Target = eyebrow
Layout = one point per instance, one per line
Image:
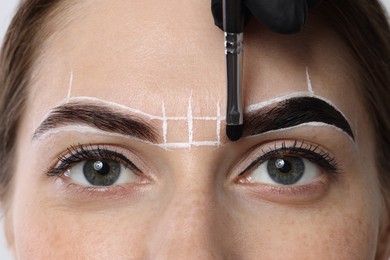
(294, 112)
(98, 116)
(285, 114)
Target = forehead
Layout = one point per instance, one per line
(144, 53)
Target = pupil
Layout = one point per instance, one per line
(101, 168)
(283, 166)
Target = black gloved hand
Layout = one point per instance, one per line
(281, 16)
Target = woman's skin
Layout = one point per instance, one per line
(191, 203)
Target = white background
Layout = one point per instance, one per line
(7, 8)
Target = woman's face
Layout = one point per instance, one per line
(122, 152)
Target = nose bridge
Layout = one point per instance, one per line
(186, 228)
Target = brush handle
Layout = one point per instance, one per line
(234, 66)
(233, 16)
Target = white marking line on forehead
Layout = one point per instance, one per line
(218, 123)
(70, 86)
(136, 111)
(116, 105)
(190, 118)
(275, 100)
(312, 124)
(165, 145)
(165, 124)
(84, 129)
(189, 145)
(308, 80)
(190, 121)
(91, 130)
(308, 93)
(88, 130)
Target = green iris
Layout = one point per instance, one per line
(286, 170)
(101, 172)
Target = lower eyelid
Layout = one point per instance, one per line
(101, 194)
(295, 194)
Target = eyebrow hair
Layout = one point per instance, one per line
(98, 116)
(293, 112)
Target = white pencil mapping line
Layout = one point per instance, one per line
(190, 121)
(84, 129)
(312, 124)
(218, 123)
(153, 117)
(309, 85)
(189, 118)
(205, 118)
(87, 131)
(136, 111)
(178, 118)
(164, 124)
(260, 105)
(249, 109)
(123, 107)
(189, 145)
(309, 93)
(275, 100)
(94, 131)
(70, 86)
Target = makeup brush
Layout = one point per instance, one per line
(233, 26)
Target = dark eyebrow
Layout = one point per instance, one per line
(294, 112)
(98, 116)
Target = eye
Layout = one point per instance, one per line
(288, 164)
(96, 166)
(284, 171)
(100, 172)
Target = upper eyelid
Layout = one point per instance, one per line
(302, 150)
(82, 152)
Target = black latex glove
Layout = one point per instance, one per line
(281, 16)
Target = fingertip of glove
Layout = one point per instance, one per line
(313, 3)
(216, 10)
(280, 16)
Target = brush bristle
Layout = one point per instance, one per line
(234, 132)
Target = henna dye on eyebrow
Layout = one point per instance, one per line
(293, 112)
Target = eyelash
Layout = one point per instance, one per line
(81, 153)
(311, 152)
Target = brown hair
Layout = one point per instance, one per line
(364, 27)
(18, 54)
(361, 24)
